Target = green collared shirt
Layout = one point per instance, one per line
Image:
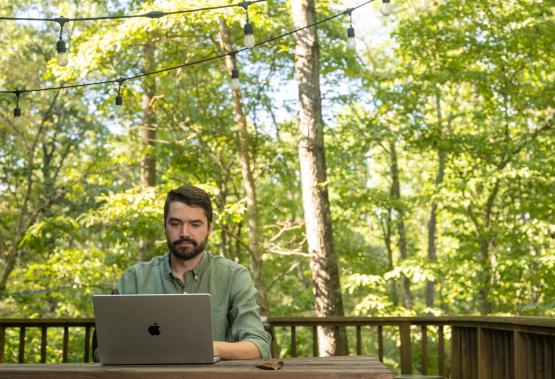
(235, 314)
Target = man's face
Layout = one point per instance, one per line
(187, 230)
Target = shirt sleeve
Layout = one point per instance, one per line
(244, 317)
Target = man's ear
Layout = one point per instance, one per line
(209, 228)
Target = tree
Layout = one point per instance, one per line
(480, 63)
(248, 180)
(325, 273)
(148, 136)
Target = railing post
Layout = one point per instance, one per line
(66, 344)
(484, 355)
(519, 355)
(21, 355)
(43, 331)
(87, 343)
(2, 342)
(293, 341)
(508, 352)
(380, 343)
(359, 341)
(315, 349)
(456, 353)
(441, 350)
(406, 354)
(424, 348)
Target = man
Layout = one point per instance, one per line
(188, 268)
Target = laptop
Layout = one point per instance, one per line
(154, 329)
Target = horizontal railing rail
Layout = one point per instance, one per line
(480, 347)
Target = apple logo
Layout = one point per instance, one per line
(154, 330)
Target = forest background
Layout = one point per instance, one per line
(438, 133)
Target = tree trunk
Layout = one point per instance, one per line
(148, 138)
(248, 180)
(394, 288)
(401, 230)
(484, 278)
(10, 258)
(486, 237)
(432, 224)
(432, 249)
(325, 273)
(148, 128)
(385, 223)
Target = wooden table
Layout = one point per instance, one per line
(358, 367)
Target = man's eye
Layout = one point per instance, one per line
(196, 224)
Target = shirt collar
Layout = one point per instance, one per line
(202, 265)
(198, 270)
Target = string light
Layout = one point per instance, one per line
(61, 45)
(351, 42)
(250, 42)
(386, 7)
(119, 99)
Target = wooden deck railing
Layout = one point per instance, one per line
(464, 347)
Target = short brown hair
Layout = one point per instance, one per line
(192, 196)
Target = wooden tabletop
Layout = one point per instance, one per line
(357, 367)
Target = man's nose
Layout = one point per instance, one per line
(185, 231)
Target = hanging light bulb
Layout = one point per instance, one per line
(235, 84)
(61, 48)
(386, 7)
(17, 116)
(119, 106)
(62, 53)
(17, 110)
(351, 42)
(249, 37)
(119, 99)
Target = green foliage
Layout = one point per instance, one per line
(470, 82)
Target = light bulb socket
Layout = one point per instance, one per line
(386, 1)
(351, 32)
(61, 46)
(17, 112)
(234, 74)
(247, 28)
(155, 14)
(119, 101)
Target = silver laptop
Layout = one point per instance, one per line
(154, 329)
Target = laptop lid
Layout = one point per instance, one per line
(154, 329)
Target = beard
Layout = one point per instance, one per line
(186, 253)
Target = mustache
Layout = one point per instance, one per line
(185, 239)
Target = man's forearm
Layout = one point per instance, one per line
(236, 350)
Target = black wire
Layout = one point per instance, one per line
(152, 14)
(232, 53)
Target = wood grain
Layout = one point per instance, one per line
(359, 367)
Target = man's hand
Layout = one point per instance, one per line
(236, 350)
